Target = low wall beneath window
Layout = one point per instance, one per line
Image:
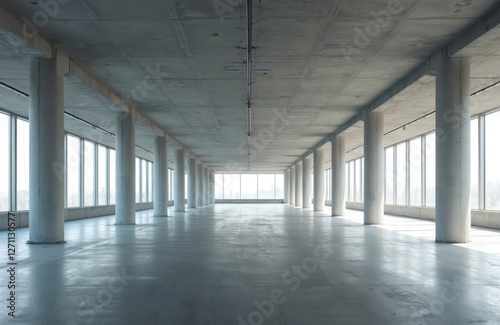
(249, 201)
(480, 218)
(74, 213)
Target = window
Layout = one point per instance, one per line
(150, 182)
(23, 165)
(89, 173)
(73, 171)
(112, 176)
(279, 193)
(266, 186)
(416, 172)
(474, 163)
(137, 180)
(358, 180)
(249, 186)
(389, 175)
(219, 186)
(171, 184)
(4, 162)
(144, 180)
(352, 182)
(430, 170)
(102, 175)
(401, 174)
(327, 184)
(231, 186)
(492, 160)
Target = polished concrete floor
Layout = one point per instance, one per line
(254, 264)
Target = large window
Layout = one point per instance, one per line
(73, 164)
(328, 182)
(232, 186)
(492, 136)
(89, 173)
(112, 176)
(171, 184)
(430, 170)
(279, 192)
(401, 176)
(249, 186)
(219, 186)
(359, 180)
(474, 163)
(137, 180)
(266, 186)
(144, 180)
(4, 162)
(102, 175)
(23, 165)
(416, 172)
(389, 175)
(150, 181)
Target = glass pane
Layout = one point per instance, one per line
(231, 186)
(23, 165)
(346, 193)
(249, 186)
(150, 182)
(416, 172)
(401, 174)
(219, 189)
(186, 185)
(102, 175)
(389, 175)
(4, 162)
(430, 170)
(137, 180)
(170, 184)
(89, 173)
(359, 180)
(474, 163)
(279, 187)
(144, 180)
(352, 182)
(112, 176)
(492, 129)
(362, 180)
(73, 171)
(266, 186)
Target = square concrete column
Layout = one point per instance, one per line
(199, 185)
(160, 184)
(46, 128)
(338, 176)
(306, 182)
(453, 214)
(374, 168)
(191, 199)
(286, 186)
(179, 182)
(319, 180)
(211, 183)
(205, 186)
(292, 186)
(125, 169)
(298, 185)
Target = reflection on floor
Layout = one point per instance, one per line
(254, 264)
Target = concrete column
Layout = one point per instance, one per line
(292, 186)
(125, 169)
(306, 182)
(319, 180)
(374, 168)
(338, 176)
(160, 183)
(46, 114)
(179, 186)
(199, 185)
(211, 183)
(453, 216)
(191, 199)
(287, 186)
(298, 185)
(205, 186)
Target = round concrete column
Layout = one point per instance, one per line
(306, 182)
(298, 185)
(286, 187)
(179, 182)
(125, 169)
(338, 176)
(199, 185)
(453, 214)
(205, 186)
(292, 186)
(191, 199)
(374, 168)
(211, 183)
(319, 180)
(46, 127)
(160, 182)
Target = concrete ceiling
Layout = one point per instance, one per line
(320, 69)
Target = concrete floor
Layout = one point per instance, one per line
(216, 264)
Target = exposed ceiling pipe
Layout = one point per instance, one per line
(249, 68)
